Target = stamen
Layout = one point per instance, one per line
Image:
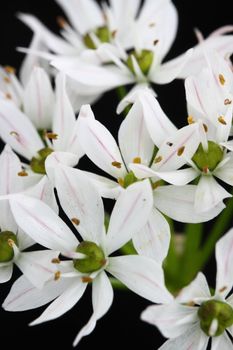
(223, 289)
(114, 33)
(10, 242)
(87, 279)
(227, 102)
(180, 151)
(156, 184)
(170, 144)
(7, 80)
(57, 275)
(116, 164)
(205, 169)
(205, 127)
(221, 79)
(121, 182)
(75, 221)
(23, 173)
(213, 327)
(14, 133)
(222, 120)
(51, 135)
(10, 69)
(61, 22)
(8, 96)
(152, 24)
(158, 159)
(55, 261)
(155, 42)
(190, 120)
(137, 160)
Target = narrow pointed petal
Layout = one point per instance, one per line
(154, 238)
(171, 319)
(158, 124)
(209, 194)
(142, 171)
(196, 291)
(42, 224)
(142, 275)
(38, 99)
(225, 173)
(100, 146)
(6, 273)
(131, 212)
(81, 201)
(223, 342)
(37, 266)
(183, 211)
(224, 259)
(18, 131)
(134, 139)
(63, 303)
(25, 296)
(102, 298)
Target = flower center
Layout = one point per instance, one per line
(6, 249)
(144, 58)
(38, 163)
(102, 33)
(215, 316)
(94, 260)
(208, 159)
(128, 180)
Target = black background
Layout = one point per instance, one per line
(121, 326)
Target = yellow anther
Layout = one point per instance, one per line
(205, 169)
(180, 151)
(156, 184)
(57, 275)
(61, 22)
(222, 120)
(55, 261)
(223, 289)
(8, 96)
(137, 160)
(227, 101)
(158, 159)
(51, 135)
(116, 164)
(121, 182)
(7, 80)
(114, 33)
(190, 120)
(221, 79)
(205, 127)
(10, 69)
(14, 133)
(23, 173)
(75, 221)
(10, 242)
(87, 279)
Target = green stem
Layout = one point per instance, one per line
(117, 284)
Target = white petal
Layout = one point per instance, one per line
(171, 319)
(17, 130)
(37, 266)
(80, 199)
(7, 222)
(59, 158)
(25, 296)
(158, 124)
(222, 342)
(130, 214)
(183, 211)
(42, 224)
(225, 172)
(134, 139)
(100, 146)
(209, 194)
(38, 99)
(186, 141)
(154, 238)
(224, 258)
(143, 172)
(102, 297)
(228, 145)
(6, 273)
(196, 291)
(63, 303)
(85, 15)
(142, 275)
(193, 339)
(169, 71)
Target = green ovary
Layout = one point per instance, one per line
(144, 58)
(38, 163)
(215, 310)
(6, 250)
(102, 33)
(210, 158)
(94, 259)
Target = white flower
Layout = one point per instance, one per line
(13, 240)
(46, 124)
(140, 274)
(195, 316)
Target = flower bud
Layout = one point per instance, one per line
(94, 259)
(102, 33)
(144, 59)
(215, 316)
(208, 159)
(6, 249)
(38, 163)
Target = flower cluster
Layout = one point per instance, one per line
(154, 173)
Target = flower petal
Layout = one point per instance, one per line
(197, 291)
(225, 173)
(102, 297)
(130, 214)
(142, 275)
(209, 194)
(17, 130)
(6, 273)
(63, 303)
(154, 238)
(183, 211)
(81, 201)
(222, 342)
(42, 224)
